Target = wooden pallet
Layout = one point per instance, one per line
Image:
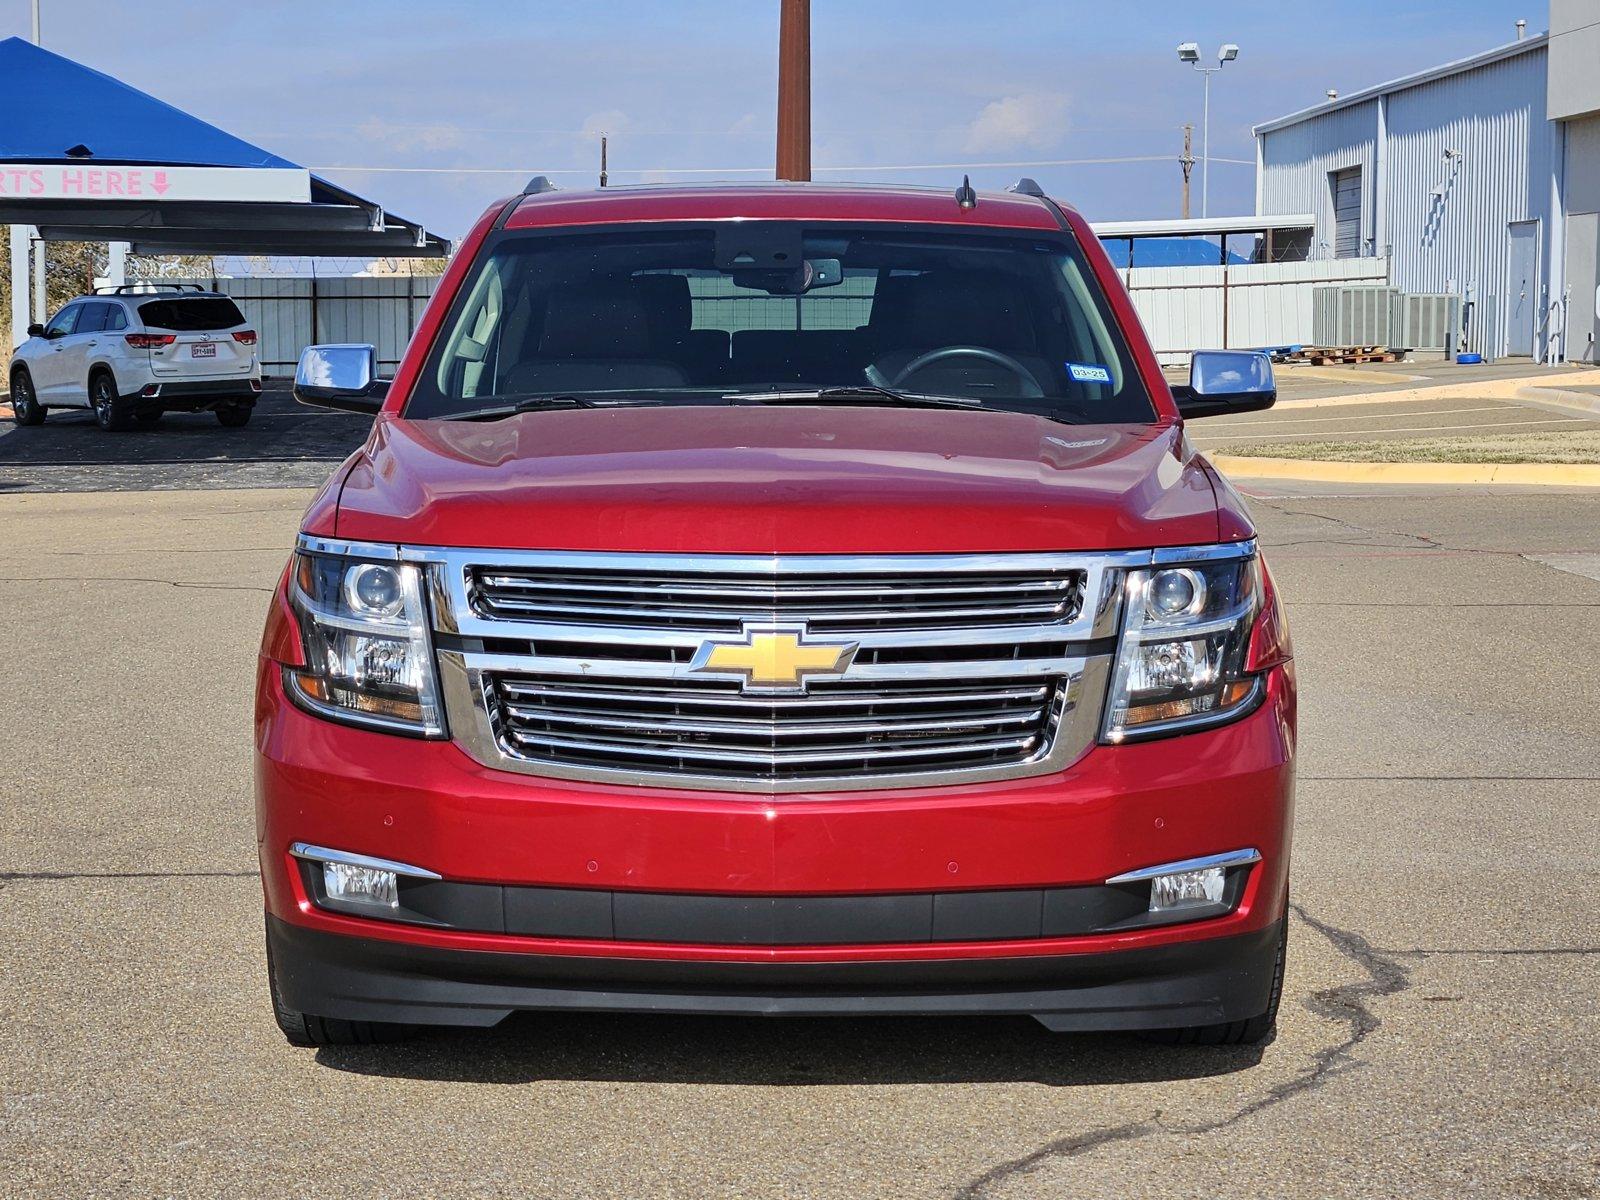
(1321, 356)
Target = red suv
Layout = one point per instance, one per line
(778, 599)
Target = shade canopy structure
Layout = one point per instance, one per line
(86, 157)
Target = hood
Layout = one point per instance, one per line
(777, 480)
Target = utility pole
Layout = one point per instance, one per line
(794, 90)
(603, 160)
(1187, 163)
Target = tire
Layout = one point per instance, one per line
(235, 416)
(111, 411)
(1253, 1031)
(25, 406)
(303, 1029)
(148, 418)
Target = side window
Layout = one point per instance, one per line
(116, 318)
(92, 319)
(64, 322)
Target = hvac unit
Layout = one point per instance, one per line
(1353, 316)
(1427, 322)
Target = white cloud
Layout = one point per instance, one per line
(438, 135)
(611, 121)
(1036, 119)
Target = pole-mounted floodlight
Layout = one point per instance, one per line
(1189, 52)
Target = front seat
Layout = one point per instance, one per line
(955, 308)
(596, 337)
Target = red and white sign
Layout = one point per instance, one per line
(92, 181)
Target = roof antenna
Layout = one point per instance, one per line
(1026, 187)
(538, 185)
(965, 196)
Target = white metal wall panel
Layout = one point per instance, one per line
(1267, 304)
(1296, 163)
(291, 314)
(1448, 219)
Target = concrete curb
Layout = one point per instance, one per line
(1479, 389)
(1584, 475)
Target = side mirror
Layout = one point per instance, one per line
(343, 377)
(1226, 381)
(36, 330)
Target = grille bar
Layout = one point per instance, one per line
(838, 603)
(707, 727)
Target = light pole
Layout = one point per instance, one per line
(1189, 52)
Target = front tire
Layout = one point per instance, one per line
(235, 416)
(304, 1029)
(111, 411)
(25, 406)
(1253, 1031)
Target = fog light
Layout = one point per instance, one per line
(361, 885)
(1187, 889)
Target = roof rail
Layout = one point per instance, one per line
(147, 285)
(537, 185)
(1027, 187)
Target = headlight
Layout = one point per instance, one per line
(1185, 635)
(367, 645)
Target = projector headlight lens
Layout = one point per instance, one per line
(368, 651)
(1185, 636)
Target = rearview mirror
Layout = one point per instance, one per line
(343, 377)
(1226, 381)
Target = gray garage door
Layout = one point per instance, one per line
(1346, 187)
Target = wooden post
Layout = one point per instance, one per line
(794, 90)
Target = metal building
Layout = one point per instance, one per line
(1479, 178)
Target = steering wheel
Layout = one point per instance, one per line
(1030, 386)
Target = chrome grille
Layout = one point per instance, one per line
(708, 728)
(720, 602)
(961, 668)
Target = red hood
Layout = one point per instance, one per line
(765, 480)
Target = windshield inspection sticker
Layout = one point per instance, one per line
(1089, 373)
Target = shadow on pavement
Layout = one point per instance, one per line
(529, 1047)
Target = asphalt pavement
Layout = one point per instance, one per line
(1440, 1033)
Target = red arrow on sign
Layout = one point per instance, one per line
(159, 184)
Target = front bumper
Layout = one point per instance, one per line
(1189, 983)
(988, 851)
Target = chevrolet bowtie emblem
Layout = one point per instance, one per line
(773, 658)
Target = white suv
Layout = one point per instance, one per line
(134, 352)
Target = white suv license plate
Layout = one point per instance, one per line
(203, 350)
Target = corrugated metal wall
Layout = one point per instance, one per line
(1442, 222)
(1185, 309)
(291, 314)
(1297, 160)
(1494, 118)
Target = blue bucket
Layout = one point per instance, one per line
(1467, 360)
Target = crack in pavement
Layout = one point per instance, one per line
(205, 587)
(1347, 1003)
(37, 876)
(1506, 952)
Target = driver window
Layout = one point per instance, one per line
(64, 322)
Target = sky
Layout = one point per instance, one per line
(472, 98)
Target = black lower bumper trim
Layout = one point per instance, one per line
(1189, 983)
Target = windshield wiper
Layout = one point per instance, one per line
(526, 404)
(845, 393)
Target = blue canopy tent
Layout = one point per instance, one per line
(85, 157)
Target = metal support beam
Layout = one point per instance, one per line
(20, 288)
(794, 90)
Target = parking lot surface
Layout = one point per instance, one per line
(1440, 1033)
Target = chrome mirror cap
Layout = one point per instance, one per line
(340, 376)
(1227, 381)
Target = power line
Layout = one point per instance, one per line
(858, 169)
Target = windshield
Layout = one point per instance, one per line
(716, 314)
